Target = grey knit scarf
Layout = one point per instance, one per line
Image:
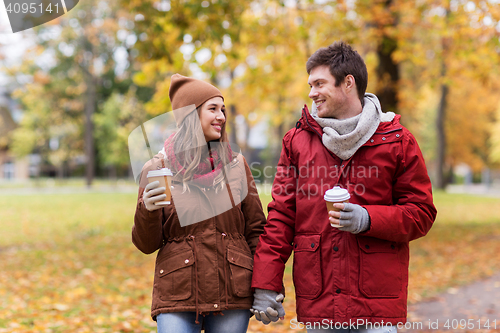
(343, 137)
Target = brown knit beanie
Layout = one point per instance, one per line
(185, 91)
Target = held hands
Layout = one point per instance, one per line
(153, 193)
(352, 218)
(267, 306)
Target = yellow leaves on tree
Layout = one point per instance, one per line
(472, 107)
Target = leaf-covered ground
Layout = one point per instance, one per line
(68, 265)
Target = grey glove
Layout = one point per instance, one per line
(153, 193)
(354, 218)
(267, 306)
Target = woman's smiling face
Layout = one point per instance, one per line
(213, 118)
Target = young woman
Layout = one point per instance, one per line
(207, 235)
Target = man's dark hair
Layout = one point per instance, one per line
(342, 61)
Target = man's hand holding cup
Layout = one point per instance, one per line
(344, 215)
(349, 217)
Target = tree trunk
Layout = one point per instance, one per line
(232, 123)
(387, 68)
(232, 116)
(441, 135)
(89, 130)
(130, 174)
(441, 179)
(388, 75)
(245, 149)
(113, 175)
(60, 171)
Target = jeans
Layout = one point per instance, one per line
(233, 321)
(360, 329)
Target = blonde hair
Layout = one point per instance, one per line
(189, 141)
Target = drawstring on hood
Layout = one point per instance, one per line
(344, 137)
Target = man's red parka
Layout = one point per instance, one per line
(340, 276)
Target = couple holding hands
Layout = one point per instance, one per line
(220, 260)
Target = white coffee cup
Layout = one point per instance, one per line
(336, 195)
(164, 176)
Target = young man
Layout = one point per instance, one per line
(350, 268)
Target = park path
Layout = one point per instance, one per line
(476, 304)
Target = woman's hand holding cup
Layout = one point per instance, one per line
(153, 193)
(157, 192)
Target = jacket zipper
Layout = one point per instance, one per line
(307, 121)
(394, 130)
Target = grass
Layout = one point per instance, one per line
(68, 264)
(42, 183)
(461, 247)
(40, 218)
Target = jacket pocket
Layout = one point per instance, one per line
(174, 275)
(307, 266)
(380, 270)
(241, 267)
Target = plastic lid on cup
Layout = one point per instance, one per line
(160, 173)
(337, 194)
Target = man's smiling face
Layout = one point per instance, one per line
(331, 101)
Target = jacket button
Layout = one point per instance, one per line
(216, 306)
(186, 261)
(383, 138)
(367, 246)
(295, 245)
(397, 135)
(161, 272)
(338, 291)
(335, 248)
(312, 244)
(372, 140)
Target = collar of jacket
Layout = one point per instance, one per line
(307, 122)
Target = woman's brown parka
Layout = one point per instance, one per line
(205, 266)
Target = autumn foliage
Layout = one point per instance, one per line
(434, 61)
